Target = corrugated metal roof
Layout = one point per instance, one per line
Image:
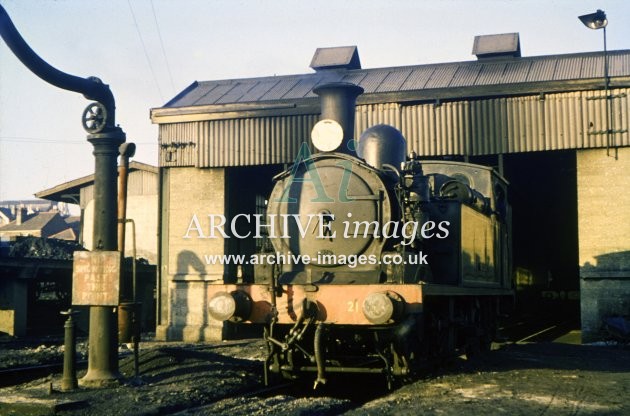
(526, 123)
(467, 108)
(418, 78)
(573, 67)
(515, 72)
(393, 81)
(465, 76)
(441, 76)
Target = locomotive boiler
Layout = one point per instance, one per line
(382, 262)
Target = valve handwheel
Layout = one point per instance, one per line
(94, 117)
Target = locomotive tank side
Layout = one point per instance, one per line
(473, 199)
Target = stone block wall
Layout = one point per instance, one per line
(185, 273)
(604, 236)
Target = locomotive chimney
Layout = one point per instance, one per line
(337, 100)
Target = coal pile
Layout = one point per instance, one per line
(43, 248)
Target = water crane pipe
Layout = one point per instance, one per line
(99, 121)
(92, 88)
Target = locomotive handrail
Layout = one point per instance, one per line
(92, 88)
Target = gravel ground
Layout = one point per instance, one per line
(182, 379)
(15, 352)
(546, 378)
(173, 377)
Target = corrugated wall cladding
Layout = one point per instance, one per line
(370, 115)
(142, 183)
(516, 124)
(572, 120)
(234, 142)
(178, 143)
(437, 129)
(252, 141)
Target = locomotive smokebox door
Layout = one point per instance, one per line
(331, 207)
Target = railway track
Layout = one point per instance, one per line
(206, 408)
(523, 330)
(238, 396)
(295, 398)
(21, 374)
(18, 375)
(535, 329)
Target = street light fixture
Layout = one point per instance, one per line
(596, 21)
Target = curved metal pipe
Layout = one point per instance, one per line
(319, 359)
(92, 88)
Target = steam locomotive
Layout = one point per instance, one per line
(383, 263)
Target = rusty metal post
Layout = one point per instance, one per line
(69, 378)
(126, 150)
(130, 313)
(137, 307)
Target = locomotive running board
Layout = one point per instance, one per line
(430, 289)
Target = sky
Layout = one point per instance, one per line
(149, 50)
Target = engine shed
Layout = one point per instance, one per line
(553, 126)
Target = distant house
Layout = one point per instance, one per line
(40, 224)
(31, 205)
(37, 272)
(6, 216)
(73, 231)
(9, 209)
(142, 207)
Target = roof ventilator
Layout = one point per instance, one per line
(506, 45)
(340, 57)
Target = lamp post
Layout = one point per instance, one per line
(597, 21)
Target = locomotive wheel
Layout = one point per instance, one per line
(484, 329)
(488, 336)
(478, 345)
(485, 343)
(442, 343)
(473, 348)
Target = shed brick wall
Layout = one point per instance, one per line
(604, 236)
(184, 272)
